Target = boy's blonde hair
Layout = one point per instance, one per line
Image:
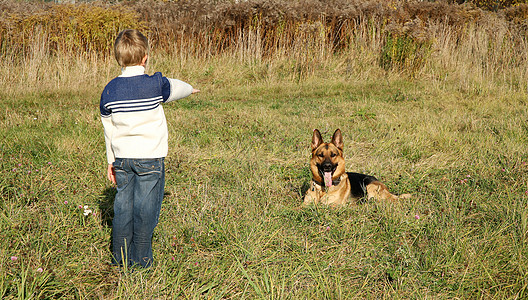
(130, 47)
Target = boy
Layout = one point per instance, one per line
(136, 133)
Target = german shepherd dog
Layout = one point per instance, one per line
(331, 185)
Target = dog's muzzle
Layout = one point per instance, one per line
(326, 171)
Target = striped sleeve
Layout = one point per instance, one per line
(105, 112)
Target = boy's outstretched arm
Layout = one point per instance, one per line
(110, 174)
(194, 91)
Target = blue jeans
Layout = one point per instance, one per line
(137, 205)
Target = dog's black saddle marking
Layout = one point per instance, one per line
(358, 184)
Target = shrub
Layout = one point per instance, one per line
(84, 28)
(496, 4)
(403, 53)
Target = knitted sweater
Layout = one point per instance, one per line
(133, 119)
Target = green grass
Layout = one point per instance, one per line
(231, 224)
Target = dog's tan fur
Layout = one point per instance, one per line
(339, 194)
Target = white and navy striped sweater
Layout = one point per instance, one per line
(133, 119)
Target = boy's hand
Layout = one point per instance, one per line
(195, 91)
(111, 174)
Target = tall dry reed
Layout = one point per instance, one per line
(433, 39)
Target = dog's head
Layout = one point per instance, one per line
(327, 163)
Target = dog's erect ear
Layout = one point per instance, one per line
(316, 139)
(337, 139)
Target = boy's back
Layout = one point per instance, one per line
(136, 145)
(131, 111)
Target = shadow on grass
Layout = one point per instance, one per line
(304, 188)
(106, 206)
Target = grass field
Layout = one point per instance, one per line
(231, 224)
(444, 120)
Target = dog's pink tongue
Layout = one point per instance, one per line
(328, 178)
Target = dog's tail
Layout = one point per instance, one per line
(379, 190)
(403, 196)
